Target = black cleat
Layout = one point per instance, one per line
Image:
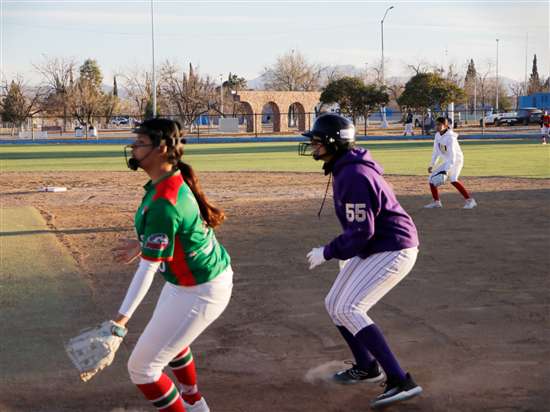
(396, 392)
(357, 375)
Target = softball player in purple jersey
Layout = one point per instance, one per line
(379, 245)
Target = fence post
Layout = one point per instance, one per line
(256, 124)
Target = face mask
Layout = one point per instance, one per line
(131, 161)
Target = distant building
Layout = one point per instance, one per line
(538, 100)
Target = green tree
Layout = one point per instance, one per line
(87, 99)
(149, 109)
(115, 87)
(90, 72)
(534, 84)
(354, 97)
(429, 91)
(234, 82)
(19, 102)
(470, 84)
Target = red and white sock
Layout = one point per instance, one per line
(460, 187)
(183, 367)
(435, 193)
(163, 394)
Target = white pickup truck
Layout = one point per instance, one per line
(498, 118)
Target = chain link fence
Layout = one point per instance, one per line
(392, 123)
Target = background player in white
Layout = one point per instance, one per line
(447, 158)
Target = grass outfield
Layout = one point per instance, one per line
(482, 158)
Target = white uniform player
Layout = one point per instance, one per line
(447, 151)
(447, 159)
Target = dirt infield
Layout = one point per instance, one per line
(471, 322)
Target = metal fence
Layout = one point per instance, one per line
(240, 124)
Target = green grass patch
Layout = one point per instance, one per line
(520, 158)
(41, 291)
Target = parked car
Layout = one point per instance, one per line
(489, 118)
(497, 119)
(508, 118)
(120, 120)
(528, 115)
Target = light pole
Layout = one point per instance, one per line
(221, 93)
(382, 30)
(383, 109)
(496, 100)
(153, 53)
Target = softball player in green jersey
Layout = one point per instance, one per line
(174, 224)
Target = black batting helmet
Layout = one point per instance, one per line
(334, 131)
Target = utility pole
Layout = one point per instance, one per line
(382, 38)
(496, 100)
(383, 108)
(221, 93)
(153, 52)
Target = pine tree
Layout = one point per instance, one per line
(115, 87)
(471, 72)
(534, 85)
(469, 83)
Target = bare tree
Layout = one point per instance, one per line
(484, 83)
(395, 90)
(188, 94)
(292, 72)
(18, 101)
(420, 67)
(57, 73)
(518, 89)
(139, 86)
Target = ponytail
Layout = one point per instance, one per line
(210, 213)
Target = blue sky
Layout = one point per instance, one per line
(245, 36)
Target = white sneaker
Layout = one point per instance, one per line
(199, 406)
(470, 203)
(436, 204)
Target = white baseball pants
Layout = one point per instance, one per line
(453, 173)
(362, 283)
(181, 315)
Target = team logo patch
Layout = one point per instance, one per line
(157, 241)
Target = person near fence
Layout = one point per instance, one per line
(409, 124)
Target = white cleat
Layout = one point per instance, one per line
(199, 406)
(470, 203)
(436, 204)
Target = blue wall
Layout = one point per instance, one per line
(538, 100)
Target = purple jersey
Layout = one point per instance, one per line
(371, 217)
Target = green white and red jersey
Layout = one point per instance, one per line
(171, 230)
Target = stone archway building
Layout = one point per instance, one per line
(253, 102)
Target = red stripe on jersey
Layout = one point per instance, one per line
(179, 267)
(157, 259)
(169, 188)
